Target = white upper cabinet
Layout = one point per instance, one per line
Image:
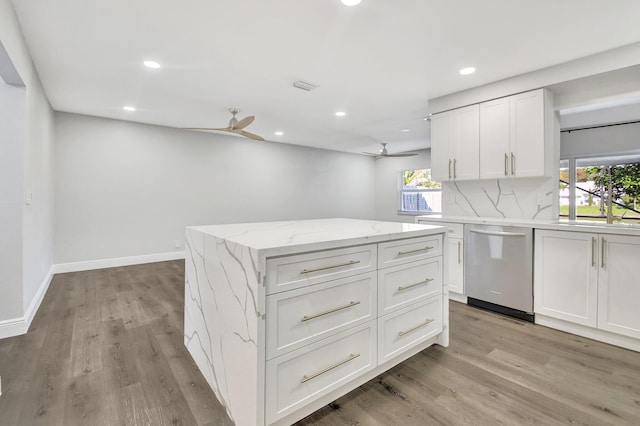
(455, 137)
(503, 138)
(527, 140)
(441, 140)
(466, 136)
(494, 139)
(512, 136)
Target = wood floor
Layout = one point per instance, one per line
(106, 349)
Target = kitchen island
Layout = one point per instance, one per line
(284, 317)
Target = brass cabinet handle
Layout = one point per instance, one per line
(308, 271)
(427, 322)
(402, 253)
(602, 264)
(513, 164)
(449, 168)
(506, 162)
(593, 251)
(401, 288)
(306, 378)
(454, 168)
(330, 311)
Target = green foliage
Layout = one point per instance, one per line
(625, 181)
(419, 179)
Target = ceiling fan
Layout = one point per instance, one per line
(235, 126)
(383, 153)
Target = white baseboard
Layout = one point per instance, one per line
(591, 333)
(457, 297)
(17, 326)
(20, 325)
(89, 265)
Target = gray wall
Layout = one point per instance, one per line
(387, 183)
(36, 170)
(12, 104)
(126, 189)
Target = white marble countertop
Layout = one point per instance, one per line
(277, 238)
(578, 226)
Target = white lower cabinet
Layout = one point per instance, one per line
(455, 260)
(317, 369)
(619, 285)
(407, 327)
(588, 279)
(565, 276)
(334, 316)
(456, 266)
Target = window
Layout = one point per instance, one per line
(418, 193)
(604, 189)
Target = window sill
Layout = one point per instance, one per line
(405, 213)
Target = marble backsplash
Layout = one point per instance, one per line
(534, 199)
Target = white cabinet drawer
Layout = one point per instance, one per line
(289, 272)
(456, 230)
(301, 376)
(407, 327)
(299, 317)
(409, 250)
(402, 285)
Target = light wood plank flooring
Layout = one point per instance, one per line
(106, 349)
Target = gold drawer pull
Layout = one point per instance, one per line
(402, 253)
(306, 378)
(427, 322)
(428, 280)
(330, 311)
(308, 271)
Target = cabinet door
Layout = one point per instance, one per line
(456, 270)
(619, 285)
(466, 146)
(565, 276)
(494, 139)
(526, 156)
(441, 140)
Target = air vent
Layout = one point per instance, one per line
(304, 85)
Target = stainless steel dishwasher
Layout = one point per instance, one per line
(498, 270)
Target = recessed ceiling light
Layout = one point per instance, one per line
(151, 64)
(467, 70)
(341, 114)
(405, 130)
(129, 108)
(279, 133)
(351, 2)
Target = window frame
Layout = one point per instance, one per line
(402, 190)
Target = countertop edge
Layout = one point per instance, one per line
(632, 230)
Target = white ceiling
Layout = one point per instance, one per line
(379, 61)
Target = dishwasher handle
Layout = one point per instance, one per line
(499, 233)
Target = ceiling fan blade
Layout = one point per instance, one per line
(226, 129)
(249, 135)
(372, 154)
(244, 122)
(405, 154)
